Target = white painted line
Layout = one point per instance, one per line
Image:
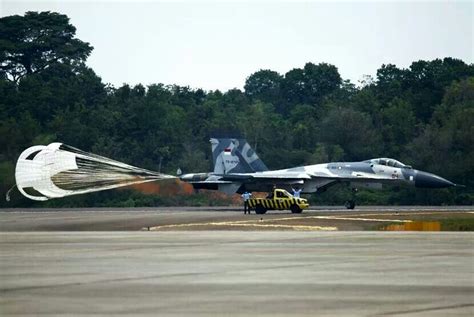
(241, 224)
(362, 219)
(341, 218)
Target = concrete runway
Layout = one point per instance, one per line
(216, 271)
(236, 273)
(218, 218)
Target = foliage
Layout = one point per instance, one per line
(34, 42)
(455, 224)
(422, 115)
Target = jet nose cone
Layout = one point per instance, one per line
(428, 180)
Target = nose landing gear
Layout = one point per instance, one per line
(350, 204)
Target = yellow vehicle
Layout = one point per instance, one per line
(279, 199)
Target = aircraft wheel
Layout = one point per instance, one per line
(295, 209)
(350, 204)
(260, 210)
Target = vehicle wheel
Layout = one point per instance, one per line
(260, 210)
(350, 204)
(295, 209)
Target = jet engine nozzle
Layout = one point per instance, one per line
(197, 177)
(428, 180)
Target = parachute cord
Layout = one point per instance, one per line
(70, 171)
(7, 196)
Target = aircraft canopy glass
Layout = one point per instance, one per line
(388, 162)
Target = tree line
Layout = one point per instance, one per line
(422, 115)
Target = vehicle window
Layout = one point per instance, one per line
(280, 195)
(382, 162)
(391, 163)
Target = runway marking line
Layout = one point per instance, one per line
(245, 224)
(260, 223)
(252, 223)
(360, 219)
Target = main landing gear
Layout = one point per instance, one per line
(351, 203)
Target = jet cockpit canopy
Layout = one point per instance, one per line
(388, 162)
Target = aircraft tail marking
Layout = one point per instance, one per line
(235, 156)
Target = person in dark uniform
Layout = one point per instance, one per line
(246, 196)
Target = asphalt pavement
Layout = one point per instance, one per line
(237, 273)
(217, 261)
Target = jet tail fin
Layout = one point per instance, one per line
(232, 155)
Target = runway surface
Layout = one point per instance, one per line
(237, 273)
(220, 218)
(215, 261)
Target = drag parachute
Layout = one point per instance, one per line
(58, 170)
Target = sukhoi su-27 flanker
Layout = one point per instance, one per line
(237, 168)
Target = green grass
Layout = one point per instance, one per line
(457, 224)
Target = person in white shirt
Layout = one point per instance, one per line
(246, 196)
(296, 192)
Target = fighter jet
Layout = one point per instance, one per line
(237, 168)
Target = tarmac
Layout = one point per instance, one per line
(134, 262)
(220, 218)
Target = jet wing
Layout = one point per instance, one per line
(356, 177)
(289, 176)
(266, 176)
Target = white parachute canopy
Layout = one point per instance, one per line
(58, 170)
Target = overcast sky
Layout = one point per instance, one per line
(217, 45)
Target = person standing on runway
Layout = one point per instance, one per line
(296, 192)
(246, 196)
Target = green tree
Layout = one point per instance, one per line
(446, 144)
(398, 127)
(310, 84)
(35, 41)
(352, 131)
(390, 83)
(264, 85)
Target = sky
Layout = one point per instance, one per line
(218, 44)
